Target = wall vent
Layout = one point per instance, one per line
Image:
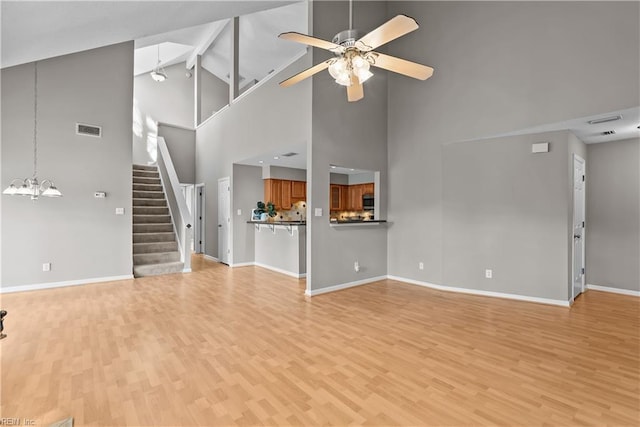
(291, 154)
(89, 130)
(608, 132)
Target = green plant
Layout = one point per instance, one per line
(269, 208)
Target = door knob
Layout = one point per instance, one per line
(219, 225)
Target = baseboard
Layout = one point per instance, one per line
(186, 270)
(614, 290)
(342, 286)
(243, 264)
(279, 270)
(481, 293)
(40, 286)
(210, 258)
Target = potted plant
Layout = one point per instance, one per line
(262, 211)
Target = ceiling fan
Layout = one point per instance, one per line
(355, 56)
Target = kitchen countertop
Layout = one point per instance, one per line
(278, 222)
(359, 222)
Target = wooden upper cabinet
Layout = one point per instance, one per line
(285, 201)
(355, 196)
(335, 197)
(284, 193)
(344, 198)
(298, 191)
(368, 188)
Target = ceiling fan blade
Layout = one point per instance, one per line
(306, 73)
(355, 92)
(396, 27)
(401, 66)
(312, 41)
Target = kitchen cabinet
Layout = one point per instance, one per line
(298, 191)
(368, 188)
(284, 193)
(355, 197)
(335, 197)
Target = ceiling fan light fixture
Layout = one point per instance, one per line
(344, 79)
(158, 74)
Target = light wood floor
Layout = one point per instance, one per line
(245, 347)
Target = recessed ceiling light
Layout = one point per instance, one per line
(260, 161)
(275, 157)
(333, 167)
(351, 169)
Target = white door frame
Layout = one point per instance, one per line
(577, 159)
(199, 219)
(221, 257)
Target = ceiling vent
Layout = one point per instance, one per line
(89, 130)
(608, 132)
(290, 154)
(604, 120)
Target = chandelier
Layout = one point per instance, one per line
(31, 186)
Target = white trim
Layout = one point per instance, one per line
(613, 290)
(242, 264)
(186, 270)
(210, 258)
(342, 286)
(40, 286)
(279, 270)
(481, 293)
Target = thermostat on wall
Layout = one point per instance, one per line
(540, 147)
(99, 194)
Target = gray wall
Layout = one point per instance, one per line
(247, 189)
(169, 102)
(613, 214)
(182, 149)
(214, 94)
(362, 178)
(498, 67)
(507, 209)
(350, 134)
(278, 172)
(79, 235)
(338, 178)
(269, 118)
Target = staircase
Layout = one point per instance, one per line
(155, 249)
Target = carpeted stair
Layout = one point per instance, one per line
(155, 249)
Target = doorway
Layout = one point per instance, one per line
(578, 267)
(224, 219)
(199, 219)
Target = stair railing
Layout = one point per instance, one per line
(177, 203)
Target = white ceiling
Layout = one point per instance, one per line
(299, 161)
(34, 30)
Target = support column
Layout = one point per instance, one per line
(197, 90)
(234, 83)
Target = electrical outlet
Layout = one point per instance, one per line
(46, 266)
(421, 266)
(488, 273)
(318, 211)
(119, 211)
(356, 266)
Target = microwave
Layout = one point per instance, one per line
(368, 202)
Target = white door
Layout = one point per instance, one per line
(199, 219)
(224, 219)
(578, 269)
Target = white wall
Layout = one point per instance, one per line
(79, 235)
(613, 214)
(499, 66)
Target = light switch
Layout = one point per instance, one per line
(318, 211)
(239, 212)
(119, 211)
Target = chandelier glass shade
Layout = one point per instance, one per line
(351, 63)
(31, 186)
